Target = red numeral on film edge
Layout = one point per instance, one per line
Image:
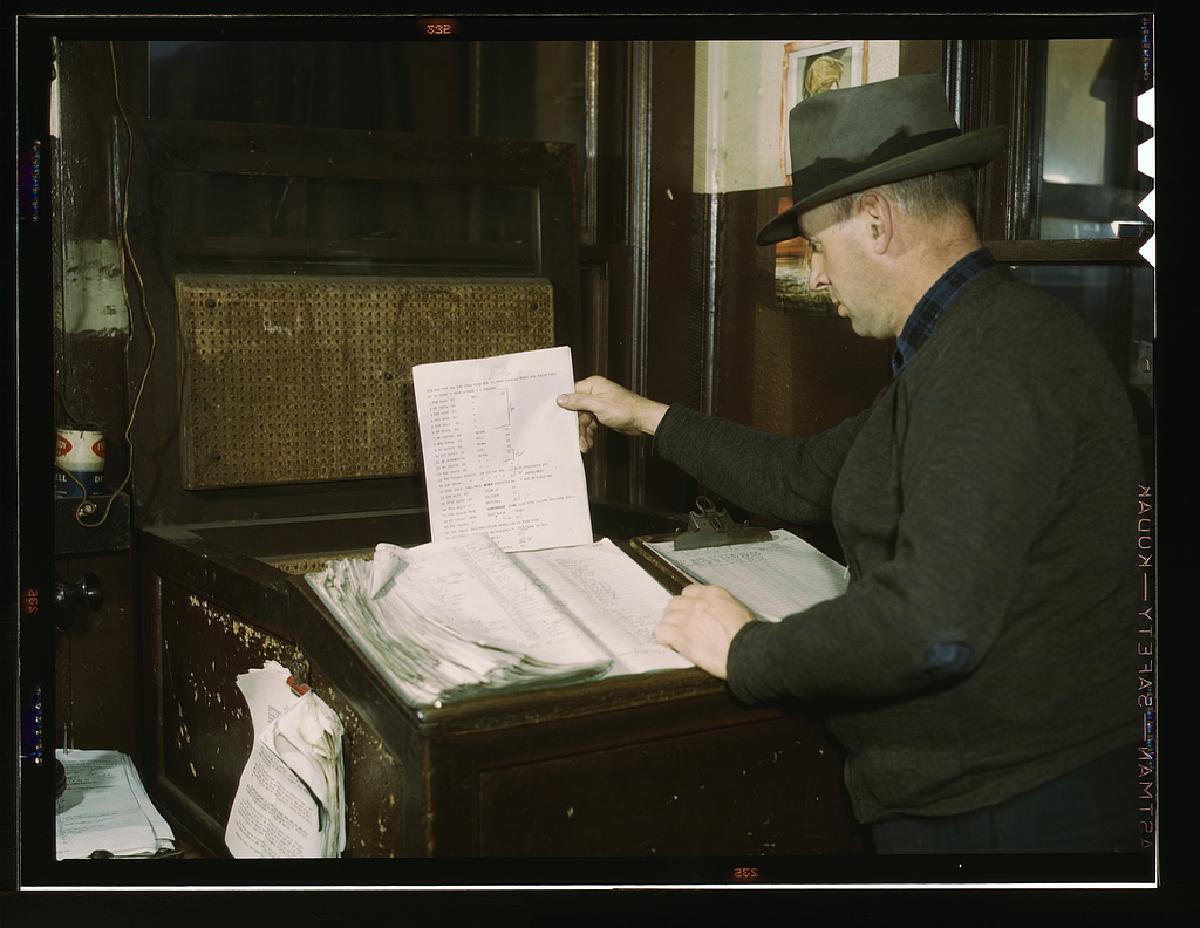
(29, 600)
(435, 27)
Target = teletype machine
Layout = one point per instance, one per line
(277, 429)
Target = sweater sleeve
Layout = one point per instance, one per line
(982, 453)
(791, 479)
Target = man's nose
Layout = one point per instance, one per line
(816, 272)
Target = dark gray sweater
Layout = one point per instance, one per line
(987, 506)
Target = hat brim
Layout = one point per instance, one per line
(977, 147)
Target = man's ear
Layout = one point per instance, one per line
(875, 214)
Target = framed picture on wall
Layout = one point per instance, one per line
(810, 68)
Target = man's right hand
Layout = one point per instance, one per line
(598, 399)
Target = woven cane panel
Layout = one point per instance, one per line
(289, 379)
(311, 563)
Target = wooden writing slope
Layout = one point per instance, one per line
(662, 764)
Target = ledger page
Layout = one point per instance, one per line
(501, 456)
(476, 590)
(612, 599)
(273, 814)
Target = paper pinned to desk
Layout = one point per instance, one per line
(105, 810)
(291, 796)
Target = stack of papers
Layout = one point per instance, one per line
(774, 579)
(291, 799)
(451, 618)
(104, 811)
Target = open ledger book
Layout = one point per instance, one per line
(450, 618)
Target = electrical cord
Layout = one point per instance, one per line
(126, 254)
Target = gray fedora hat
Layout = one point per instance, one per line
(843, 141)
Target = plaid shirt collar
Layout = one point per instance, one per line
(930, 307)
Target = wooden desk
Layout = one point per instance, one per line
(656, 764)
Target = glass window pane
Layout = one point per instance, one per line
(263, 216)
(1088, 187)
(518, 90)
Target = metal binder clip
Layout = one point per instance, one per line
(710, 527)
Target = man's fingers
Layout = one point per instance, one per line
(703, 591)
(700, 623)
(580, 402)
(587, 432)
(614, 406)
(585, 396)
(592, 383)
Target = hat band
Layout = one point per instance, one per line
(824, 172)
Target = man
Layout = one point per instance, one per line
(979, 670)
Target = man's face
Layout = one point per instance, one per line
(842, 262)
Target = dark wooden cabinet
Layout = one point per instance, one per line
(663, 764)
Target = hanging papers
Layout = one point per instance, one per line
(291, 797)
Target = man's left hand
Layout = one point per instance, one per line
(700, 624)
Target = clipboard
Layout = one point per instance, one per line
(708, 527)
(774, 574)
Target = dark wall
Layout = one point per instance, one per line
(718, 339)
(97, 653)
